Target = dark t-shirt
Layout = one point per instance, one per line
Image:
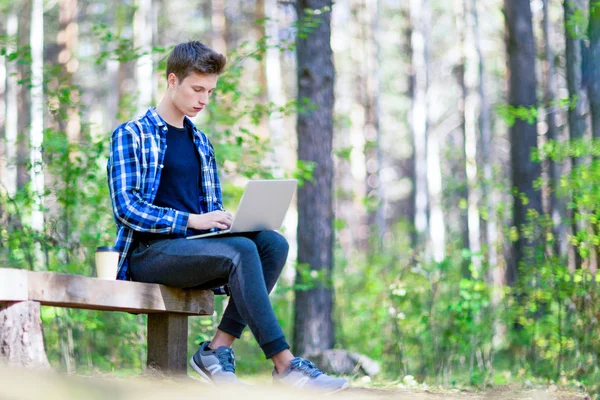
(180, 178)
(180, 185)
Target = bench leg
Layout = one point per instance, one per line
(167, 342)
(21, 339)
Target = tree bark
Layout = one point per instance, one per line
(366, 88)
(419, 119)
(9, 177)
(459, 175)
(24, 96)
(21, 338)
(576, 113)
(594, 59)
(3, 100)
(274, 85)
(523, 135)
(484, 122)
(219, 26)
(36, 40)
(410, 209)
(550, 167)
(316, 75)
(142, 27)
(376, 216)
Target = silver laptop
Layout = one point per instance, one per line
(263, 206)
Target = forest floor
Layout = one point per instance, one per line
(33, 385)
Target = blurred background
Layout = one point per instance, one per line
(447, 223)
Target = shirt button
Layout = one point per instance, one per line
(161, 166)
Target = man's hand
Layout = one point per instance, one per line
(214, 219)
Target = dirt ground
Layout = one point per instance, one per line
(19, 384)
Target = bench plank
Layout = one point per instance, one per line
(13, 285)
(74, 291)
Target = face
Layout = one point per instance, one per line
(192, 94)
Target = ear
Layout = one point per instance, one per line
(172, 80)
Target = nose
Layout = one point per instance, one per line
(203, 99)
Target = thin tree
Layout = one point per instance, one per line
(549, 167)
(410, 206)
(485, 131)
(523, 134)
(366, 14)
(418, 118)
(313, 329)
(576, 114)
(593, 81)
(219, 26)
(143, 22)
(24, 94)
(461, 169)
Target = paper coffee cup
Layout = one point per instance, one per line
(107, 262)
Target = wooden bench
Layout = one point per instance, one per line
(22, 292)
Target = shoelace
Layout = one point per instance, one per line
(226, 359)
(306, 367)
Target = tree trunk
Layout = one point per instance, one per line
(9, 176)
(594, 97)
(36, 41)
(274, 84)
(21, 338)
(142, 26)
(316, 75)
(24, 96)
(219, 26)
(66, 120)
(488, 192)
(459, 174)
(550, 167)
(594, 59)
(3, 93)
(419, 117)
(376, 217)
(367, 94)
(472, 149)
(67, 47)
(410, 209)
(345, 185)
(576, 114)
(523, 135)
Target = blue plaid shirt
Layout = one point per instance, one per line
(137, 153)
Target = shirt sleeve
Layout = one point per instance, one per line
(216, 181)
(125, 183)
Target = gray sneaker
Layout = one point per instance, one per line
(303, 374)
(216, 366)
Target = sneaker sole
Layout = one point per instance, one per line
(197, 368)
(344, 387)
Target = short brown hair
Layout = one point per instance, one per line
(194, 56)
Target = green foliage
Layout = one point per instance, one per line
(432, 321)
(577, 22)
(419, 317)
(511, 113)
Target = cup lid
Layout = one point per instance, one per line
(106, 248)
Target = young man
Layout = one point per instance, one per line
(164, 186)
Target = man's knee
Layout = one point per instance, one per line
(276, 241)
(244, 247)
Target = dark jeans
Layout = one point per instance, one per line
(250, 262)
